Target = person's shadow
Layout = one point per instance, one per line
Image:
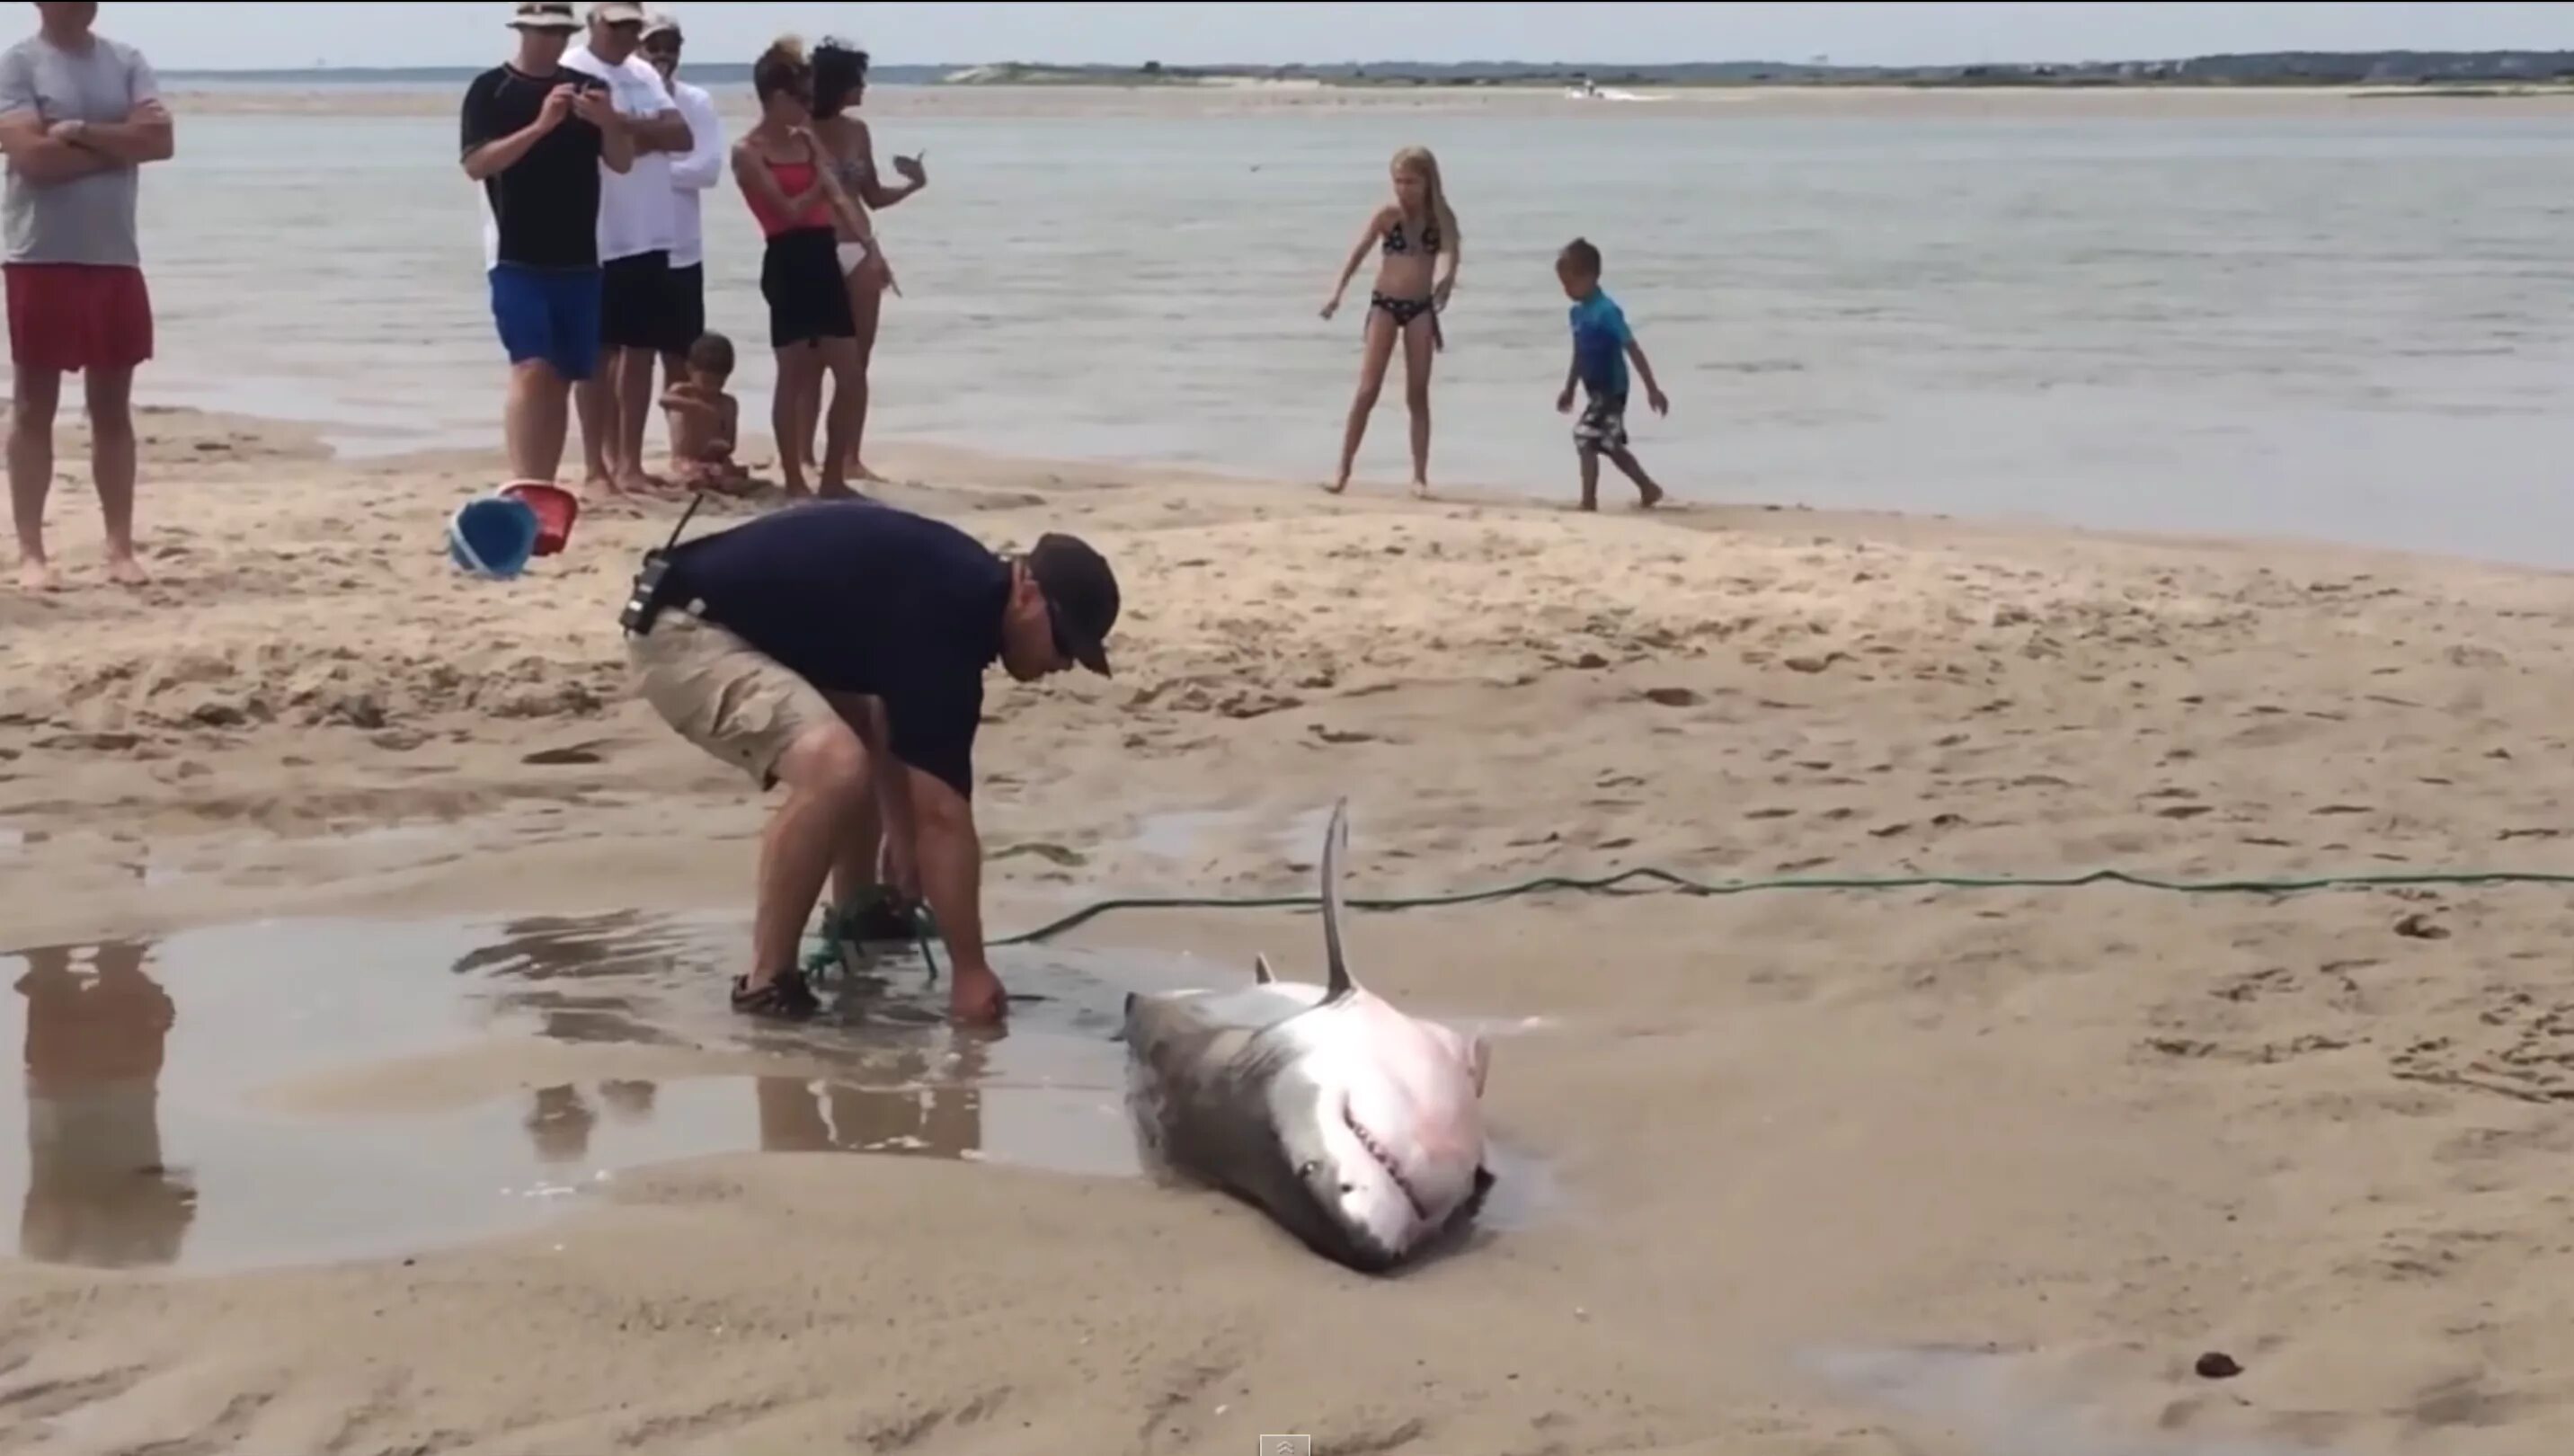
(97, 1192)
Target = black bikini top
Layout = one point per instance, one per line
(1395, 242)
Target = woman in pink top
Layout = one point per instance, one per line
(800, 206)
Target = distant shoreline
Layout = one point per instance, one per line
(2509, 70)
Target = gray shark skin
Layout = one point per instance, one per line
(1357, 1128)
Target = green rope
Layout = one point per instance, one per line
(922, 927)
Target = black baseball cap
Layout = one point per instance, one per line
(1081, 594)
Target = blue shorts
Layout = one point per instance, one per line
(549, 314)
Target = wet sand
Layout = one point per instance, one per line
(372, 920)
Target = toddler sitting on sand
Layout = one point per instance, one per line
(703, 420)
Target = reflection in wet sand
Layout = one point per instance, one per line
(940, 1116)
(97, 1192)
(478, 1079)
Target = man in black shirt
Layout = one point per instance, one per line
(535, 134)
(840, 648)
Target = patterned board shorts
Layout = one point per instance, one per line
(1603, 424)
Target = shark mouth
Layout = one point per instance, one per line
(1386, 1161)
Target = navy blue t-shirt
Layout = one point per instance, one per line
(857, 597)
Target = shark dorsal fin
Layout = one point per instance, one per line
(1336, 838)
(1261, 975)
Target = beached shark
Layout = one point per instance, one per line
(1357, 1127)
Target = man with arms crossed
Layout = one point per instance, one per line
(79, 115)
(534, 136)
(635, 215)
(840, 648)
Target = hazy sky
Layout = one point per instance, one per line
(206, 34)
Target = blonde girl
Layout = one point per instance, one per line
(1417, 232)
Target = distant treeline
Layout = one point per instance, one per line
(2268, 68)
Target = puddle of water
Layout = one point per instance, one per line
(300, 1091)
(1995, 1402)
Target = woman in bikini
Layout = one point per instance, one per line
(1418, 233)
(801, 208)
(840, 83)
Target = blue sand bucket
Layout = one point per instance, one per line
(493, 537)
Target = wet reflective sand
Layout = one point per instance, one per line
(290, 1092)
(293, 1091)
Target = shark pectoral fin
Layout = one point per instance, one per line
(1479, 1058)
(1261, 975)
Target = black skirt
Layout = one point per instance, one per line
(809, 300)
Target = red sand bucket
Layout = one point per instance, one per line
(556, 510)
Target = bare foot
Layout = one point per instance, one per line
(1421, 490)
(837, 491)
(36, 575)
(125, 570)
(634, 483)
(599, 483)
(1336, 487)
(1652, 495)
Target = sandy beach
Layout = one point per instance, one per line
(2007, 1162)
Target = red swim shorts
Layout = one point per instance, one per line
(75, 316)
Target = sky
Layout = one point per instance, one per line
(210, 35)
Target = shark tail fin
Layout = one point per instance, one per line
(1336, 841)
(1261, 975)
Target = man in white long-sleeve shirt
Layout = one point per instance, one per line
(701, 168)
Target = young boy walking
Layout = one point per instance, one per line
(1602, 344)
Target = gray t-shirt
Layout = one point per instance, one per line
(88, 219)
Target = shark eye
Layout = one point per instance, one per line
(1308, 1168)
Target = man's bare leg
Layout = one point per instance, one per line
(596, 404)
(826, 784)
(535, 420)
(111, 467)
(33, 397)
(634, 383)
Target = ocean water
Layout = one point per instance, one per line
(2350, 325)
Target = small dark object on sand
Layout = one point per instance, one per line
(2217, 1366)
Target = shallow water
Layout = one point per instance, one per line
(2317, 324)
(1994, 1403)
(293, 1091)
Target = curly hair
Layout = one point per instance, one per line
(839, 71)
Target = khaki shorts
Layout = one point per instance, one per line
(722, 693)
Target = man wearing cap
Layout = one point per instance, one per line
(839, 647)
(636, 318)
(536, 135)
(80, 115)
(705, 165)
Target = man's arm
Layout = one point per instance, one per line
(664, 129)
(703, 166)
(42, 159)
(951, 867)
(39, 159)
(616, 146)
(146, 135)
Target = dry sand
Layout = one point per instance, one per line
(2089, 1133)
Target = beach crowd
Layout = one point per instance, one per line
(837, 648)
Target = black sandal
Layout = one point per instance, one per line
(786, 996)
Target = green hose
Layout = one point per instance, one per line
(1610, 884)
